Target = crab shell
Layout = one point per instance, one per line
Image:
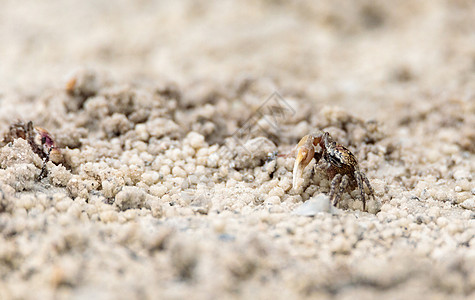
(45, 141)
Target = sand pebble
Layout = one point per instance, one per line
(273, 200)
(158, 190)
(469, 204)
(150, 177)
(461, 197)
(195, 140)
(130, 197)
(108, 216)
(165, 170)
(462, 174)
(311, 207)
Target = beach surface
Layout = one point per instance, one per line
(173, 121)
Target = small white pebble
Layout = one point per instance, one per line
(467, 214)
(440, 195)
(442, 221)
(147, 157)
(200, 170)
(219, 226)
(140, 146)
(150, 177)
(223, 171)
(458, 188)
(237, 176)
(286, 184)
(108, 216)
(135, 160)
(142, 132)
(274, 200)
(276, 209)
(203, 152)
(461, 174)
(464, 184)
(195, 140)
(165, 170)
(158, 190)
(63, 205)
(26, 201)
(462, 196)
(178, 171)
(449, 149)
(378, 186)
(174, 154)
(469, 204)
(386, 207)
(212, 161)
(75, 210)
(453, 228)
(231, 183)
(64, 220)
(277, 191)
(202, 160)
(340, 245)
(188, 151)
(130, 214)
(402, 213)
(432, 155)
(434, 212)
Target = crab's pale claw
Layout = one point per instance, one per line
(305, 151)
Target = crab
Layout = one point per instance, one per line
(341, 165)
(40, 140)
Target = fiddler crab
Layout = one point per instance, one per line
(40, 140)
(341, 165)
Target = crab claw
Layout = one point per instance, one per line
(44, 139)
(305, 151)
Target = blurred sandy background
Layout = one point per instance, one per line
(339, 51)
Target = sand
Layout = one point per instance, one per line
(171, 118)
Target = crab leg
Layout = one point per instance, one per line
(333, 188)
(370, 188)
(359, 181)
(343, 184)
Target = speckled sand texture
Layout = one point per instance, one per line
(172, 184)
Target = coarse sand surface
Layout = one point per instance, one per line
(174, 119)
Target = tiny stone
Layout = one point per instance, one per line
(274, 200)
(311, 207)
(461, 197)
(469, 204)
(277, 191)
(108, 216)
(165, 170)
(178, 171)
(196, 140)
(158, 190)
(149, 178)
(461, 174)
(442, 222)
